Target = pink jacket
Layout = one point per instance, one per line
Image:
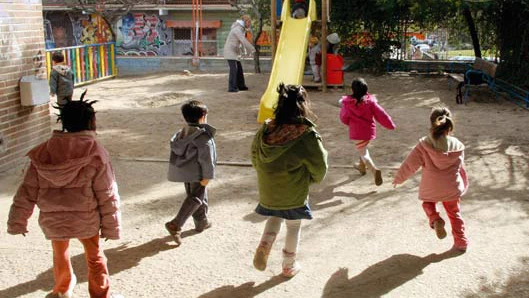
(361, 118)
(71, 180)
(443, 172)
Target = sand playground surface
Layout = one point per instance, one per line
(365, 241)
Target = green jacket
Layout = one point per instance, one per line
(284, 171)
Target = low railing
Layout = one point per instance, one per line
(89, 63)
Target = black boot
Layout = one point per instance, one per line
(174, 227)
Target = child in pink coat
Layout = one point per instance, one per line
(71, 180)
(443, 178)
(359, 111)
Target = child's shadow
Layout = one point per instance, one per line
(119, 259)
(318, 199)
(321, 198)
(382, 277)
(245, 290)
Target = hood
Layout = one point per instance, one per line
(187, 135)
(63, 70)
(60, 159)
(443, 152)
(270, 150)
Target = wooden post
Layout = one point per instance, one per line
(273, 21)
(324, 12)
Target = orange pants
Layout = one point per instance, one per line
(98, 277)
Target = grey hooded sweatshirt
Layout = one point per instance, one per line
(193, 154)
(61, 81)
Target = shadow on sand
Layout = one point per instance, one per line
(120, 258)
(245, 290)
(382, 277)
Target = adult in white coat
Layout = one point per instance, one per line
(235, 39)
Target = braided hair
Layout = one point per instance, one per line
(76, 115)
(441, 122)
(292, 104)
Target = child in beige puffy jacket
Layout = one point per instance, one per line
(71, 180)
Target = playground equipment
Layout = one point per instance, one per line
(197, 33)
(289, 61)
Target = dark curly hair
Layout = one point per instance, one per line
(292, 104)
(76, 115)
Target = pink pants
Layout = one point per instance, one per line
(98, 277)
(454, 214)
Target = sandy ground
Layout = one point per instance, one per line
(365, 241)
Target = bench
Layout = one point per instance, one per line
(516, 94)
(482, 73)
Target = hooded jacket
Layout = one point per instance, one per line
(287, 165)
(235, 39)
(361, 118)
(71, 180)
(443, 175)
(61, 81)
(193, 154)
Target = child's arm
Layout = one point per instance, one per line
(344, 113)
(206, 159)
(53, 82)
(382, 117)
(23, 203)
(409, 166)
(316, 158)
(107, 196)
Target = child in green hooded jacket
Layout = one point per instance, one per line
(288, 155)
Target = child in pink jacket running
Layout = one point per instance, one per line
(443, 178)
(71, 180)
(359, 111)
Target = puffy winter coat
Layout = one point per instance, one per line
(443, 175)
(71, 180)
(61, 81)
(361, 118)
(233, 42)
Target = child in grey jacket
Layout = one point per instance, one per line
(192, 161)
(61, 79)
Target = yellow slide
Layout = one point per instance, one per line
(289, 62)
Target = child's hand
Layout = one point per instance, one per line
(204, 182)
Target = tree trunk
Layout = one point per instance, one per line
(472, 30)
(257, 65)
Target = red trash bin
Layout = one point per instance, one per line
(334, 69)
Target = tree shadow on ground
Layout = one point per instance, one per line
(120, 258)
(245, 290)
(382, 277)
(517, 285)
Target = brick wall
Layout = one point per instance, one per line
(21, 43)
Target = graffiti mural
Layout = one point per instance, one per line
(66, 29)
(140, 34)
(92, 29)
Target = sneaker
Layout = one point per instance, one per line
(378, 177)
(174, 231)
(291, 270)
(115, 295)
(261, 258)
(439, 227)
